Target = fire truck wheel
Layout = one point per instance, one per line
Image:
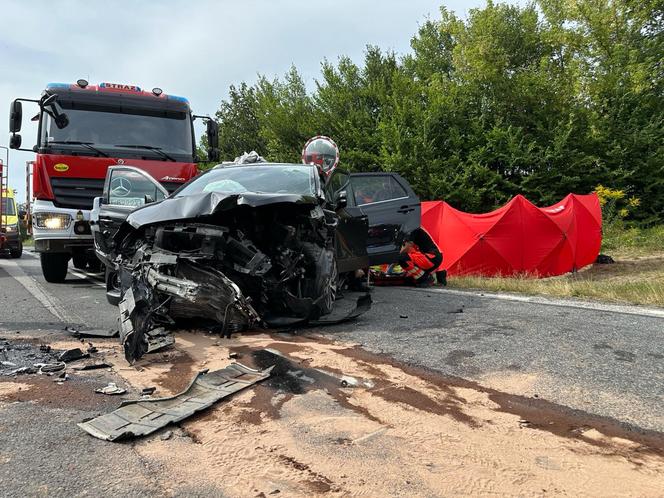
(79, 260)
(17, 252)
(54, 266)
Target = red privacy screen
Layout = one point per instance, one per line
(518, 238)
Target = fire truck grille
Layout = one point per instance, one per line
(76, 193)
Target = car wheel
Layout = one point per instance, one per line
(17, 252)
(331, 289)
(113, 291)
(323, 277)
(54, 266)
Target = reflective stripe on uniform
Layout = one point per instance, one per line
(415, 272)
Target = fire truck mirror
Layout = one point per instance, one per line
(15, 117)
(61, 121)
(212, 132)
(213, 154)
(15, 141)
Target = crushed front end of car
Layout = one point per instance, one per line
(225, 262)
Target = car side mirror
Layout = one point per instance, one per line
(15, 116)
(148, 199)
(341, 200)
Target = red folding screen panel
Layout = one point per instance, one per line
(518, 238)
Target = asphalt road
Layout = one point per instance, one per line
(607, 361)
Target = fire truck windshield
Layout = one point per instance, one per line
(130, 133)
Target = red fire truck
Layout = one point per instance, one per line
(84, 129)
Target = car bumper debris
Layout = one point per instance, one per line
(143, 417)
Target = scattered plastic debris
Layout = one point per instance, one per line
(72, 355)
(50, 368)
(111, 389)
(347, 381)
(91, 333)
(92, 366)
(147, 391)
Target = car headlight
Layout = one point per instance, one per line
(52, 221)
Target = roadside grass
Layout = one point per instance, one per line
(636, 277)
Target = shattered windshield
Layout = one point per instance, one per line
(266, 179)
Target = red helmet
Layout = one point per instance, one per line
(321, 151)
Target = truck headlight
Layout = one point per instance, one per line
(52, 221)
(12, 228)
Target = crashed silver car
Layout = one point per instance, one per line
(239, 246)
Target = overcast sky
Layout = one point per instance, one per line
(194, 48)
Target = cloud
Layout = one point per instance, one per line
(191, 48)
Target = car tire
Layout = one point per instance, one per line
(113, 292)
(54, 266)
(17, 252)
(79, 260)
(324, 285)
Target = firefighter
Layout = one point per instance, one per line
(419, 258)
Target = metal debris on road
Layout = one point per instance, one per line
(143, 417)
(147, 391)
(92, 333)
(111, 389)
(72, 355)
(92, 366)
(50, 368)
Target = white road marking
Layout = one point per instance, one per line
(90, 277)
(546, 301)
(51, 303)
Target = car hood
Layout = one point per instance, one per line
(207, 203)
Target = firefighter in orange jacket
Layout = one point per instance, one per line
(420, 257)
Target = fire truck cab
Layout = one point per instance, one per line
(82, 130)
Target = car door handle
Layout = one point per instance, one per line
(405, 209)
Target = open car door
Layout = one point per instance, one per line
(125, 189)
(351, 235)
(393, 210)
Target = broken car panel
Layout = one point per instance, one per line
(238, 246)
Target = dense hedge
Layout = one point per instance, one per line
(543, 100)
